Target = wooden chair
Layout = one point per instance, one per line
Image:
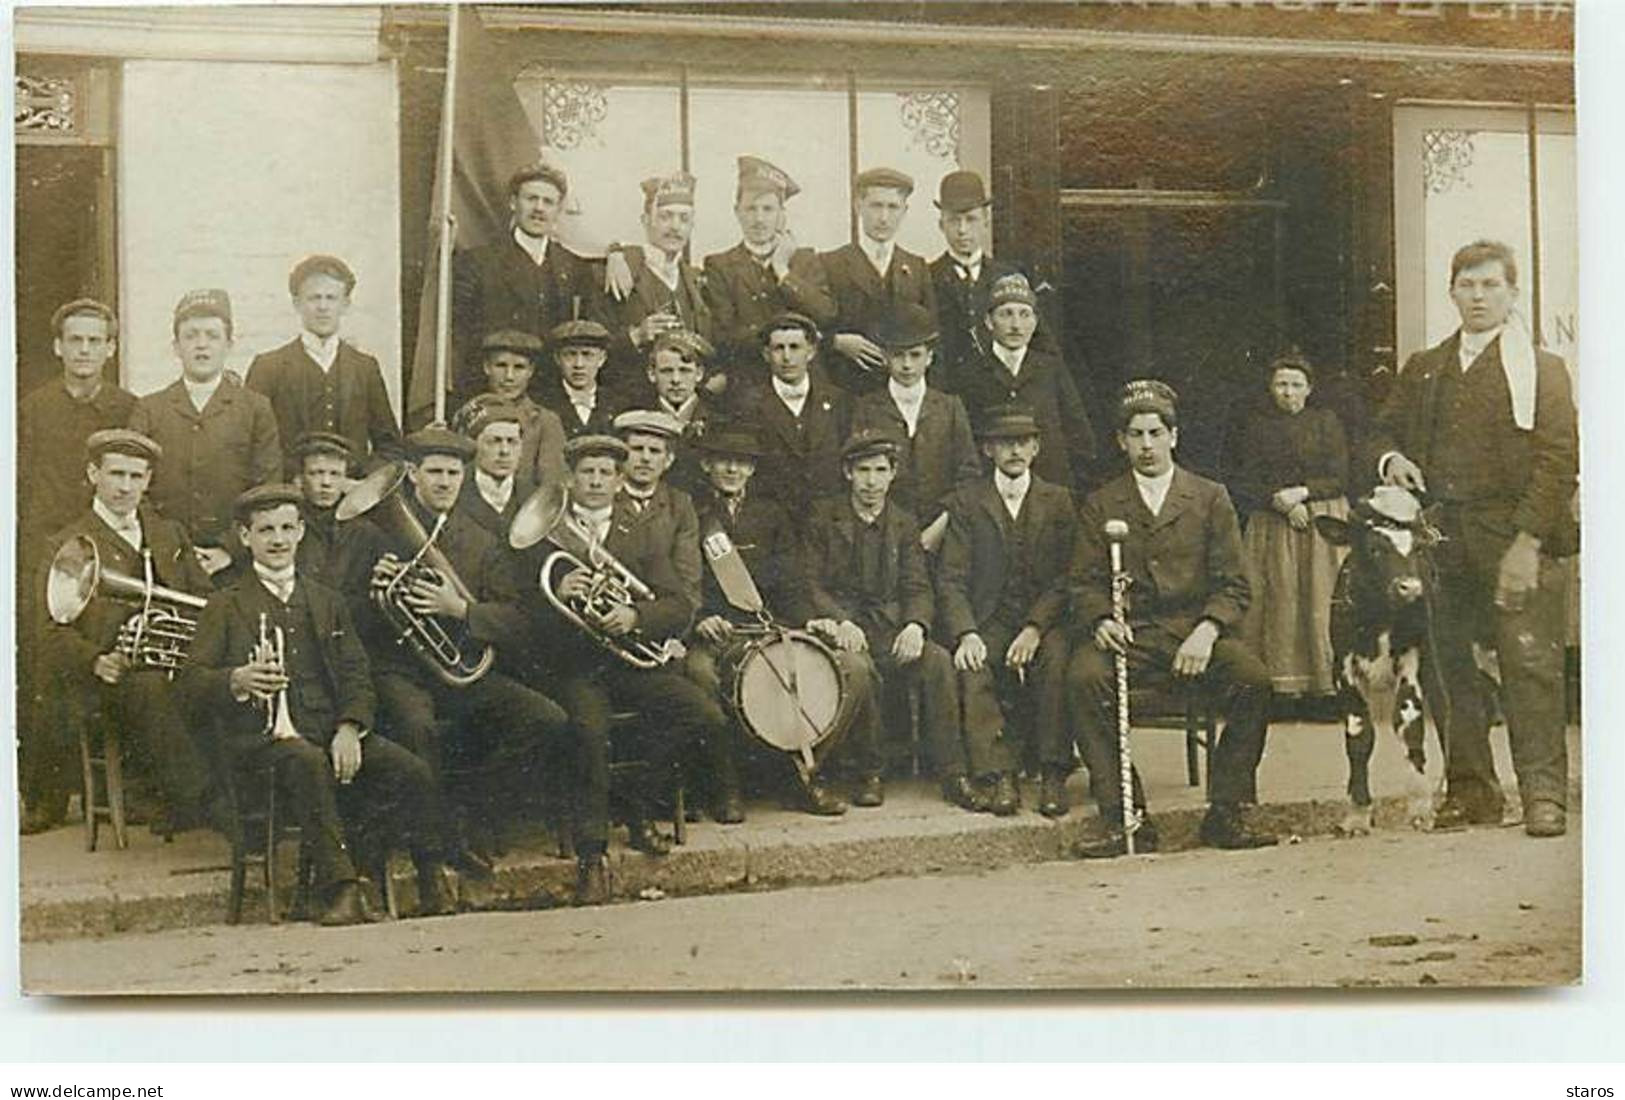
(256, 832)
(103, 772)
(1185, 708)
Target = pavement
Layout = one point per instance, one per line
(154, 886)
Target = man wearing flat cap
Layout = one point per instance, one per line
(321, 382)
(664, 511)
(496, 486)
(938, 451)
(219, 438)
(869, 594)
(303, 705)
(677, 371)
(496, 728)
(767, 273)
(509, 360)
(578, 395)
(871, 276)
(1002, 594)
(1011, 366)
(801, 420)
(654, 284)
(94, 686)
(1186, 599)
(526, 281)
(324, 465)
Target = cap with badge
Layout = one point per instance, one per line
(209, 302)
(264, 497)
(509, 339)
(323, 443)
(579, 333)
(437, 440)
(673, 190)
(757, 175)
(869, 442)
(906, 325)
(690, 345)
(487, 413)
(648, 422)
(731, 441)
(1147, 395)
(586, 446)
(122, 441)
(962, 191)
(789, 319)
(1009, 422)
(331, 266)
(885, 177)
(1013, 287)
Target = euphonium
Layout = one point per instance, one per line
(272, 649)
(448, 651)
(545, 515)
(160, 632)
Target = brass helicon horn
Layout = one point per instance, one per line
(545, 516)
(159, 633)
(448, 650)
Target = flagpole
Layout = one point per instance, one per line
(448, 226)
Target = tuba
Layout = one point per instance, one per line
(448, 650)
(159, 633)
(545, 515)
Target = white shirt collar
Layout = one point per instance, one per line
(324, 351)
(535, 247)
(795, 397)
(278, 582)
(868, 519)
(971, 263)
(581, 399)
(761, 256)
(496, 492)
(1013, 490)
(879, 253)
(201, 392)
(128, 527)
(666, 268)
(1154, 490)
(684, 412)
(908, 400)
(1012, 360)
(1473, 344)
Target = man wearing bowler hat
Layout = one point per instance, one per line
(767, 273)
(1002, 593)
(871, 276)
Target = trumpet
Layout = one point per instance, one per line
(272, 648)
(159, 633)
(545, 515)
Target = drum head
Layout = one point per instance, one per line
(789, 692)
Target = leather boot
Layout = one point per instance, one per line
(646, 837)
(349, 906)
(871, 792)
(961, 792)
(1053, 800)
(437, 896)
(817, 799)
(1223, 827)
(592, 880)
(1005, 799)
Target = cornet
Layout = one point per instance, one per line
(272, 649)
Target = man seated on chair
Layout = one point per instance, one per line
(590, 673)
(762, 532)
(498, 485)
(302, 704)
(870, 595)
(1188, 592)
(97, 683)
(1001, 586)
(651, 439)
(510, 361)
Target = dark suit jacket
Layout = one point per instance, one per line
(803, 459)
(645, 544)
(686, 473)
(670, 524)
(973, 561)
(904, 594)
(209, 457)
(610, 402)
(471, 504)
(75, 646)
(498, 286)
(51, 431)
(940, 458)
(298, 390)
(768, 544)
(338, 556)
(1186, 562)
(1535, 471)
(228, 631)
(863, 297)
(627, 363)
(962, 314)
(1045, 385)
(744, 295)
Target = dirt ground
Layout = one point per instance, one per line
(1485, 907)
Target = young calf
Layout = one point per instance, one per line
(1380, 639)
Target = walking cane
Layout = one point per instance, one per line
(1116, 532)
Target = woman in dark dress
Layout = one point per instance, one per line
(1294, 466)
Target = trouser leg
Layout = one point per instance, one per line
(394, 798)
(722, 752)
(147, 707)
(932, 675)
(1236, 675)
(861, 749)
(407, 714)
(586, 702)
(304, 779)
(505, 730)
(1046, 680)
(677, 714)
(1530, 645)
(1458, 617)
(1092, 692)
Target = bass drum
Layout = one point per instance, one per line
(790, 692)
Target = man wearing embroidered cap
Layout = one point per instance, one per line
(497, 485)
(657, 288)
(320, 382)
(91, 683)
(1011, 367)
(1186, 600)
(578, 395)
(873, 275)
(526, 281)
(1485, 424)
(1002, 592)
(219, 438)
(509, 360)
(766, 273)
(939, 453)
